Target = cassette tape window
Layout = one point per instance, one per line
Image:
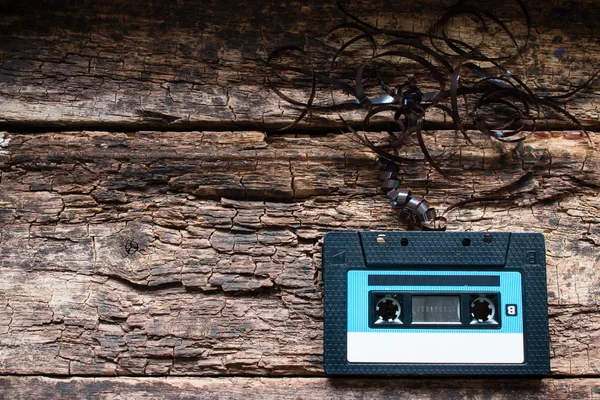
(436, 309)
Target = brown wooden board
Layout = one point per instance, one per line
(202, 65)
(199, 253)
(294, 388)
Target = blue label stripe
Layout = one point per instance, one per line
(358, 298)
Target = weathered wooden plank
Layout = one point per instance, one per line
(13, 388)
(199, 253)
(201, 65)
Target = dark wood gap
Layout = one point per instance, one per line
(270, 129)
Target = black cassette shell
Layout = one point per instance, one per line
(477, 251)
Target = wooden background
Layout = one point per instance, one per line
(157, 240)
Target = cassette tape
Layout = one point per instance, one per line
(435, 303)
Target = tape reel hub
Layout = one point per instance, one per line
(388, 309)
(483, 310)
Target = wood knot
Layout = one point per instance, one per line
(132, 242)
(131, 246)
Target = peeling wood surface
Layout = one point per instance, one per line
(297, 388)
(167, 265)
(201, 65)
(199, 253)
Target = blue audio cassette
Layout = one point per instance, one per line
(435, 303)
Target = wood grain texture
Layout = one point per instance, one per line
(17, 388)
(186, 263)
(199, 253)
(201, 65)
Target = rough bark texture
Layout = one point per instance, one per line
(294, 388)
(191, 252)
(150, 253)
(198, 64)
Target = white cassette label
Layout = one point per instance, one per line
(439, 348)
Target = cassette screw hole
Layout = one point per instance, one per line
(466, 242)
(487, 238)
(388, 309)
(381, 239)
(404, 242)
(482, 309)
